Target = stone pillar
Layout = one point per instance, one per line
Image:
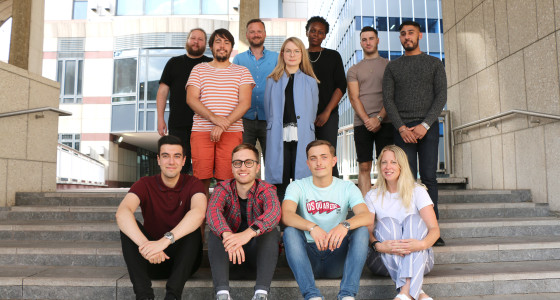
(26, 46)
(248, 9)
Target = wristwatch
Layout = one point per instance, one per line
(425, 125)
(256, 229)
(345, 224)
(170, 236)
(380, 118)
(373, 245)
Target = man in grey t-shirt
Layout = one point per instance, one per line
(371, 124)
(414, 93)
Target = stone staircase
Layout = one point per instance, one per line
(65, 245)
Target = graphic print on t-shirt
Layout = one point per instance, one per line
(314, 207)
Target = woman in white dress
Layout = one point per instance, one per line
(405, 226)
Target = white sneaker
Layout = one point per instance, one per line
(260, 296)
(316, 298)
(223, 297)
(348, 298)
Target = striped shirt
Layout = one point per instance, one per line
(219, 92)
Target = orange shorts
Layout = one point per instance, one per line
(213, 159)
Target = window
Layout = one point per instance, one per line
(172, 7)
(80, 10)
(70, 140)
(70, 73)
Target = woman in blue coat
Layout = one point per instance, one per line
(290, 103)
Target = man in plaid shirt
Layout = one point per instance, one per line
(242, 215)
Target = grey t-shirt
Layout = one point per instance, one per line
(369, 75)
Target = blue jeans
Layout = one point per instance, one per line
(427, 152)
(308, 263)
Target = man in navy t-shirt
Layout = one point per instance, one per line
(169, 243)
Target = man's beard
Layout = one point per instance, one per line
(413, 47)
(256, 45)
(193, 52)
(220, 58)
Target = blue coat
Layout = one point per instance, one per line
(306, 99)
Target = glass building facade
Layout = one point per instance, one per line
(347, 17)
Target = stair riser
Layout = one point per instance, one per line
(69, 201)
(529, 230)
(100, 236)
(116, 259)
(515, 196)
(381, 291)
(493, 213)
(62, 216)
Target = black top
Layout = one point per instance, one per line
(289, 106)
(243, 208)
(175, 75)
(329, 70)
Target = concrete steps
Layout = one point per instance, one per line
(65, 245)
(109, 253)
(447, 280)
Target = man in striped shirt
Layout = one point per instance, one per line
(219, 93)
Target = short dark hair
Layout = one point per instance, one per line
(320, 143)
(368, 28)
(246, 146)
(317, 19)
(409, 22)
(169, 140)
(223, 33)
(255, 21)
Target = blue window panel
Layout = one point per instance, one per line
(381, 23)
(130, 7)
(186, 7)
(395, 54)
(122, 117)
(421, 22)
(394, 23)
(80, 10)
(433, 26)
(214, 7)
(384, 54)
(158, 7)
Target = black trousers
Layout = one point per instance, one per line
(185, 258)
(184, 134)
(261, 255)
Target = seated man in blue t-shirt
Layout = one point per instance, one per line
(319, 241)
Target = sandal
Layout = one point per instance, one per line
(402, 297)
(429, 298)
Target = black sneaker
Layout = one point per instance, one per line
(439, 243)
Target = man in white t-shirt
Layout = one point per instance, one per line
(318, 239)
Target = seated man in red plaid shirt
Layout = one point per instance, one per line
(243, 214)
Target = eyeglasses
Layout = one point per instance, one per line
(249, 163)
(294, 52)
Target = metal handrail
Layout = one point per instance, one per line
(507, 113)
(36, 110)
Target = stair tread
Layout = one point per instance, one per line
(446, 273)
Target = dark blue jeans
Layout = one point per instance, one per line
(424, 154)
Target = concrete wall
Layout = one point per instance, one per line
(503, 55)
(28, 151)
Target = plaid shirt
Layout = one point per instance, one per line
(224, 213)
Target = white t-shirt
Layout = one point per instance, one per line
(326, 207)
(391, 204)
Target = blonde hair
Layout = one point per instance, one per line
(305, 65)
(405, 182)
